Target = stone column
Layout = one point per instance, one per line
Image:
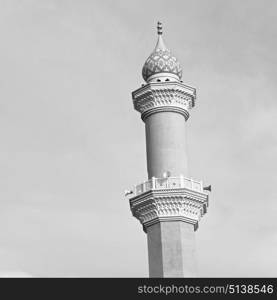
(166, 144)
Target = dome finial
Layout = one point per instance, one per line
(160, 28)
(161, 63)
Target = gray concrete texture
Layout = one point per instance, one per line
(171, 250)
(166, 144)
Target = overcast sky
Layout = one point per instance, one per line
(71, 142)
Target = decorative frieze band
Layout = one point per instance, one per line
(169, 205)
(166, 96)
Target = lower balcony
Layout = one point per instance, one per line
(168, 183)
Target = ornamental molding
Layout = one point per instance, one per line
(166, 95)
(168, 108)
(169, 205)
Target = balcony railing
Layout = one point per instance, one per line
(168, 183)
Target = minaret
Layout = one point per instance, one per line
(169, 204)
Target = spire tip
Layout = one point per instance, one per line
(160, 28)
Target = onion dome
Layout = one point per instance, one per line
(161, 63)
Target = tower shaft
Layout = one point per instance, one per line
(169, 204)
(171, 249)
(166, 144)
